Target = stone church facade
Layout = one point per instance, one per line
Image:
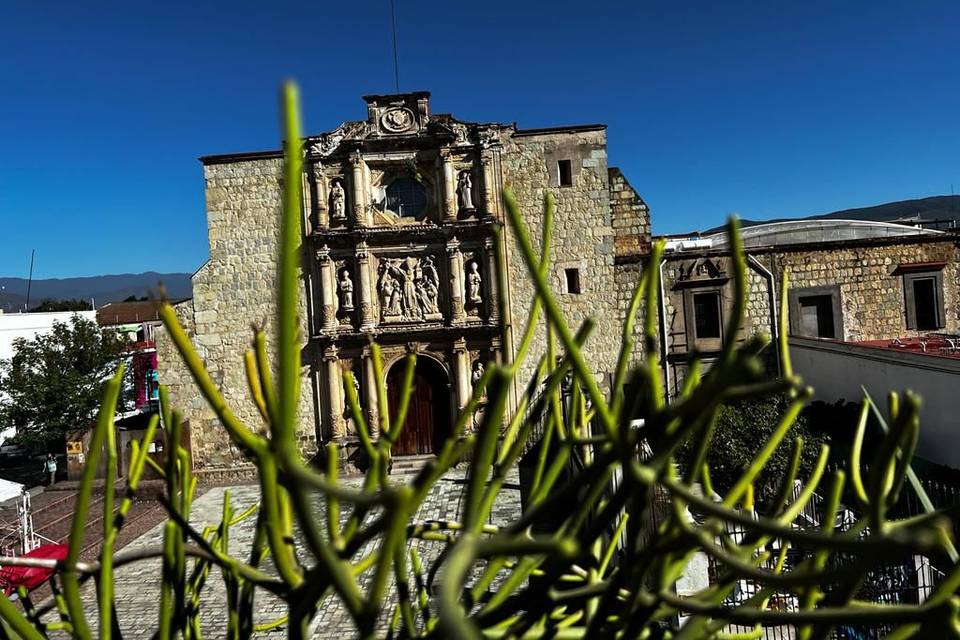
(401, 216)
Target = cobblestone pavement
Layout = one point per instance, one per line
(137, 585)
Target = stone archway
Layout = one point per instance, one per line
(428, 421)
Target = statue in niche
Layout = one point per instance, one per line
(389, 295)
(338, 202)
(346, 291)
(477, 373)
(474, 282)
(428, 288)
(465, 191)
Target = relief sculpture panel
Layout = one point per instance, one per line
(408, 290)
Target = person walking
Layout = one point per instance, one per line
(50, 466)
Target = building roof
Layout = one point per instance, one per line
(801, 232)
(117, 313)
(934, 345)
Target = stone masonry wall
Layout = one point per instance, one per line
(871, 296)
(234, 290)
(630, 218)
(583, 238)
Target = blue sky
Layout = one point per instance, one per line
(763, 109)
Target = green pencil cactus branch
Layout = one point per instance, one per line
(611, 524)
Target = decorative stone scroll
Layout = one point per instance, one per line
(408, 290)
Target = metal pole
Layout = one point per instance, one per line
(33, 252)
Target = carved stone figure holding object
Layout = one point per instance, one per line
(473, 284)
(346, 291)
(465, 192)
(477, 373)
(338, 202)
(389, 295)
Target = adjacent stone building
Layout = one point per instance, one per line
(850, 281)
(401, 218)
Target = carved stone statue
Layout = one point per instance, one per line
(409, 290)
(477, 373)
(473, 284)
(346, 291)
(404, 272)
(338, 202)
(389, 295)
(465, 192)
(428, 288)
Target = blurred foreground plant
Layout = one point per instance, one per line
(609, 527)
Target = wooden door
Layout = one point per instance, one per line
(424, 427)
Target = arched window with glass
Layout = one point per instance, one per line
(406, 197)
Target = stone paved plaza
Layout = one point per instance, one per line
(137, 585)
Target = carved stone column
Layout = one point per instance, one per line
(323, 195)
(361, 213)
(449, 191)
(370, 388)
(461, 363)
(328, 312)
(334, 388)
(455, 259)
(488, 190)
(493, 293)
(367, 318)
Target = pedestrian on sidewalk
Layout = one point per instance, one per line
(50, 466)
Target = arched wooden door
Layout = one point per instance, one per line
(428, 416)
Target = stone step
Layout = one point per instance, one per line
(401, 465)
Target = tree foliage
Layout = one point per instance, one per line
(741, 429)
(52, 304)
(54, 382)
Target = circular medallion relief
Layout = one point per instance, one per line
(397, 120)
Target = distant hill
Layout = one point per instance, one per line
(940, 208)
(102, 289)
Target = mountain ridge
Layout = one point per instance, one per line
(102, 289)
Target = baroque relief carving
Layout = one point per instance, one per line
(397, 120)
(329, 142)
(408, 290)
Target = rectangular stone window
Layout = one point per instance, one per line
(924, 300)
(706, 314)
(815, 312)
(571, 280)
(564, 173)
(816, 316)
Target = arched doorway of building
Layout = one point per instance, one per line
(428, 417)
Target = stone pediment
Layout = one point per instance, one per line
(701, 271)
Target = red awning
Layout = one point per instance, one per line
(12, 578)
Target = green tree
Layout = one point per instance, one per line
(53, 384)
(741, 429)
(51, 304)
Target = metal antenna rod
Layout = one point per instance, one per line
(396, 64)
(33, 252)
